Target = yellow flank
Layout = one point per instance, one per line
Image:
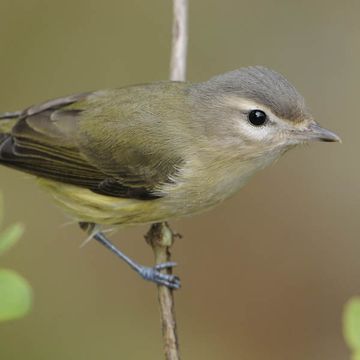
(85, 205)
(196, 189)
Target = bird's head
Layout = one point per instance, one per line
(260, 111)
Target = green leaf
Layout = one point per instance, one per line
(10, 236)
(15, 295)
(351, 322)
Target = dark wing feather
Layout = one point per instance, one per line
(43, 142)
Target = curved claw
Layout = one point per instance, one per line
(154, 275)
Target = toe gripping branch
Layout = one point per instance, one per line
(153, 274)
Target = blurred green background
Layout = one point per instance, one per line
(266, 274)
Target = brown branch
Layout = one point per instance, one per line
(160, 236)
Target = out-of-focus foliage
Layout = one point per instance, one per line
(352, 326)
(15, 291)
(10, 236)
(15, 295)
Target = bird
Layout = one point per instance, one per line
(152, 152)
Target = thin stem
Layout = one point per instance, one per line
(160, 236)
(179, 40)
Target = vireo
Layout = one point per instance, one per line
(148, 153)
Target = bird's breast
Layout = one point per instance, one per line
(203, 183)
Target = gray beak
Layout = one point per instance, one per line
(315, 132)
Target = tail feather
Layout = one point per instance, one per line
(10, 115)
(3, 137)
(7, 121)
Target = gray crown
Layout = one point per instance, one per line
(263, 86)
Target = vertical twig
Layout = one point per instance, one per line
(160, 236)
(179, 40)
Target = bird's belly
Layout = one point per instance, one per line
(85, 205)
(201, 191)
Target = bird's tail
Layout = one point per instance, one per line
(7, 121)
(3, 137)
(10, 115)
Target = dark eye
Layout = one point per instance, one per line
(257, 117)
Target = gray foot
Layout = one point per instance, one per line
(148, 273)
(153, 274)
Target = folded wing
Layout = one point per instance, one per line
(45, 141)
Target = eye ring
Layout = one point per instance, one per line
(257, 117)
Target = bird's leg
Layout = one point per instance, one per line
(153, 274)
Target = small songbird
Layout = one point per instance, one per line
(148, 153)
